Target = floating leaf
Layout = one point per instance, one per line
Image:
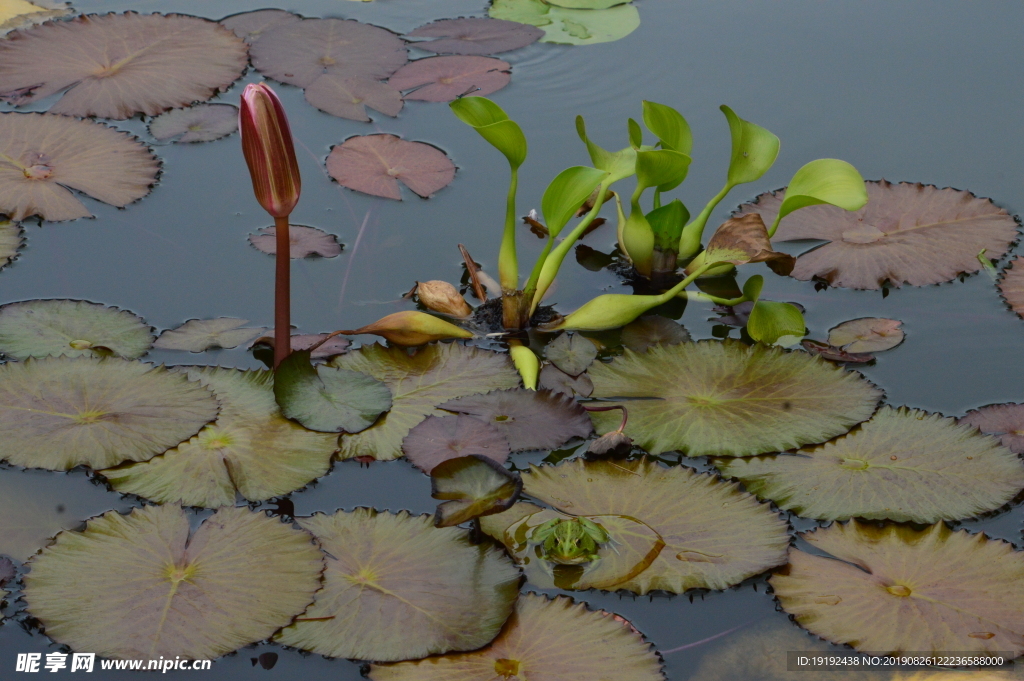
(1011, 285)
(556, 380)
(118, 65)
(37, 328)
(334, 346)
(61, 412)
(43, 157)
(867, 334)
(374, 164)
(298, 52)
(1003, 420)
(473, 486)
(445, 593)
(894, 588)
(15, 14)
(529, 419)
(907, 233)
(7, 571)
(327, 399)
(200, 335)
(437, 439)
(418, 383)
(303, 242)
(571, 352)
(347, 96)
(903, 464)
(199, 123)
(443, 79)
(832, 354)
(728, 399)
(250, 450)
(154, 590)
(11, 241)
(474, 35)
(572, 26)
(249, 26)
(651, 330)
(715, 534)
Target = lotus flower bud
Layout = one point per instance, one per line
(412, 328)
(526, 363)
(615, 443)
(269, 153)
(440, 296)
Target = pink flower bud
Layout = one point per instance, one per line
(268, 149)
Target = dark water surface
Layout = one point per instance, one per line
(924, 91)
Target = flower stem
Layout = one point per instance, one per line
(282, 293)
(625, 414)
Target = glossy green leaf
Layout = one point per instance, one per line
(472, 486)
(754, 149)
(669, 126)
(571, 26)
(667, 224)
(636, 135)
(620, 164)
(752, 288)
(771, 322)
(587, 4)
(494, 125)
(661, 168)
(75, 328)
(826, 180)
(566, 194)
(327, 399)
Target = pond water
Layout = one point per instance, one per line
(919, 91)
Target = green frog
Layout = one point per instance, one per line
(569, 541)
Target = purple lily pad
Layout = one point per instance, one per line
(554, 379)
(475, 35)
(250, 26)
(7, 570)
(373, 164)
(349, 96)
(304, 242)
(199, 123)
(443, 79)
(1005, 421)
(440, 438)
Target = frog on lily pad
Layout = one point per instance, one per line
(569, 541)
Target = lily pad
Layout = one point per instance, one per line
(155, 589)
(439, 438)
(444, 592)
(334, 346)
(1006, 421)
(434, 374)
(572, 26)
(906, 234)
(715, 534)
(199, 123)
(37, 328)
(571, 352)
(1011, 285)
(556, 639)
(299, 52)
(728, 399)
(62, 412)
(328, 399)
(472, 486)
(250, 450)
(15, 14)
(529, 419)
(200, 335)
(347, 96)
(894, 588)
(867, 334)
(303, 242)
(904, 465)
(249, 26)
(11, 240)
(118, 65)
(373, 164)
(43, 157)
(443, 79)
(474, 35)
(652, 330)
(556, 380)
(832, 354)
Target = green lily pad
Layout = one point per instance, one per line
(144, 586)
(728, 399)
(37, 328)
(557, 639)
(571, 352)
(651, 330)
(434, 374)
(572, 26)
(587, 4)
(399, 588)
(437, 439)
(529, 419)
(715, 534)
(12, 238)
(472, 486)
(200, 335)
(894, 588)
(62, 412)
(251, 449)
(904, 465)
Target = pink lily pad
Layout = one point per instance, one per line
(1011, 285)
(867, 334)
(373, 164)
(1005, 421)
(250, 26)
(199, 123)
(475, 35)
(440, 438)
(443, 79)
(349, 96)
(304, 242)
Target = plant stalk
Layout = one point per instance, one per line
(508, 264)
(693, 233)
(282, 293)
(698, 295)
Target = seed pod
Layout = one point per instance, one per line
(440, 296)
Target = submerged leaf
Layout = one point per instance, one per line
(445, 593)
(728, 399)
(867, 334)
(907, 233)
(895, 589)
(1003, 420)
(303, 242)
(37, 328)
(474, 35)
(43, 157)
(374, 164)
(439, 438)
(529, 419)
(249, 26)
(651, 330)
(200, 335)
(418, 383)
(903, 464)
(199, 123)
(61, 412)
(154, 590)
(250, 450)
(571, 352)
(118, 65)
(572, 26)
(473, 486)
(348, 96)
(443, 79)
